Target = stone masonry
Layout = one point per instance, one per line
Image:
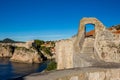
(82, 51)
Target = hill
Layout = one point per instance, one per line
(8, 40)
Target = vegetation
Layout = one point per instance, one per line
(117, 27)
(37, 44)
(46, 50)
(8, 40)
(52, 65)
(23, 48)
(51, 42)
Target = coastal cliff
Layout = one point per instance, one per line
(25, 55)
(34, 51)
(6, 50)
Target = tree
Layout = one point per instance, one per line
(38, 43)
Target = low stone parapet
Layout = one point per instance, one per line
(91, 73)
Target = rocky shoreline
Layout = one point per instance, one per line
(28, 52)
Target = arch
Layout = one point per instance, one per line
(98, 25)
(89, 30)
(81, 32)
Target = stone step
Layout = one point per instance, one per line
(87, 53)
(87, 57)
(87, 49)
(88, 45)
(89, 40)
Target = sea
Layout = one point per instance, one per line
(14, 71)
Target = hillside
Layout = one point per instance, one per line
(8, 40)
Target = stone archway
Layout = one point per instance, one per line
(70, 52)
(98, 25)
(80, 38)
(81, 32)
(89, 30)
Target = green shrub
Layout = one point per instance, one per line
(37, 44)
(46, 50)
(117, 27)
(52, 65)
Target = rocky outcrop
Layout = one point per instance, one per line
(20, 52)
(25, 55)
(28, 52)
(6, 50)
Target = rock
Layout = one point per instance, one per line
(6, 51)
(22, 54)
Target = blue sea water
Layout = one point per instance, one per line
(12, 70)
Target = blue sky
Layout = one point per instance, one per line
(52, 19)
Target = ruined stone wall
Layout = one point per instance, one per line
(108, 46)
(81, 31)
(81, 36)
(64, 53)
(68, 51)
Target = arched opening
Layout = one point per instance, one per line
(90, 30)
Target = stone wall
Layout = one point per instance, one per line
(81, 31)
(106, 47)
(64, 53)
(68, 51)
(78, 74)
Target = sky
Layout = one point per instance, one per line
(52, 19)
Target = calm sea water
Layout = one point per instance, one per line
(12, 70)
